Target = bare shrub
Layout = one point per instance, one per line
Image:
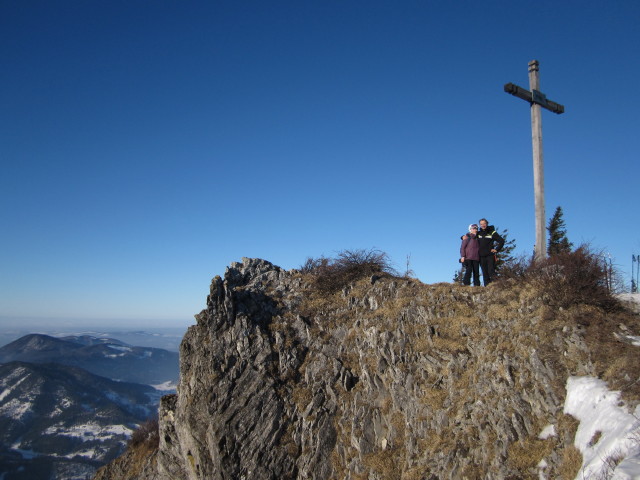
(314, 265)
(147, 434)
(333, 274)
(609, 465)
(572, 278)
(516, 268)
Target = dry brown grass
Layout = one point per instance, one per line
(571, 463)
(570, 456)
(470, 333)
(616, 362)
(434, 398)
(415, 473)
(301, 397)
(388, 464)
(146, 435)
(526, 454)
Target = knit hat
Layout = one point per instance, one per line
(473, 226)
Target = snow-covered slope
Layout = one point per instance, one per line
(62, 422)
(608, 435)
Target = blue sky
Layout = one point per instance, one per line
(147, 145)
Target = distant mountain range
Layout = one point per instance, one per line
(107, 357)
(58, 420)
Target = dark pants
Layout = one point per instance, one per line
(488, 265)
(471, 266)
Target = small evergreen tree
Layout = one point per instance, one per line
(458, 276)
(558, 241)
(505, 256)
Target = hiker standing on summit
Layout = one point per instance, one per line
(469, 256)
(489, 243)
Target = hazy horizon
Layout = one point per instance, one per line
(165, 334)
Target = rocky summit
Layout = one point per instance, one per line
(381, 378)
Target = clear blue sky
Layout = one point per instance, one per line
(145, 145)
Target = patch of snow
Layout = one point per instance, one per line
(630, 297)
(119, 347)
(542, 466)
(635, 341)
(15, 409)
(15, 374)
(616, 454)
(169, 385)
(5, 393)
(632, 300)
(89, 431)
(548, 431)
(26, 454)
(91, 454)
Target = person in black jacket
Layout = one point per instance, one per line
(490, 243)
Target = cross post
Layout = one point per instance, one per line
(538, 100)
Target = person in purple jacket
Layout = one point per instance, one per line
(470, 256)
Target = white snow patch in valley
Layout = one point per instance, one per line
(5, 393)
(90, 453)
(89, 431)
(26, 454)
(15, 409)
(62, 405)
(6, 381)
(119, 347)
(616, 453)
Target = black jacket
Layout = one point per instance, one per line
(489, 239)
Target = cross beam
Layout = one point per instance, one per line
(534, 96)
(537, 100)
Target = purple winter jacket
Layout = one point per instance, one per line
(470, 249)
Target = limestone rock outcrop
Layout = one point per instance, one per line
(387, 378)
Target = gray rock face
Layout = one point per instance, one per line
(388, 379)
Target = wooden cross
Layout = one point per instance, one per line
(537, 99)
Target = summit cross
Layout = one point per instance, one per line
(537, 99)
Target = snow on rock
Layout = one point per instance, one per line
(631, 299)
(548, 431)
(166, 386)
(632, 339)
(608, 436)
